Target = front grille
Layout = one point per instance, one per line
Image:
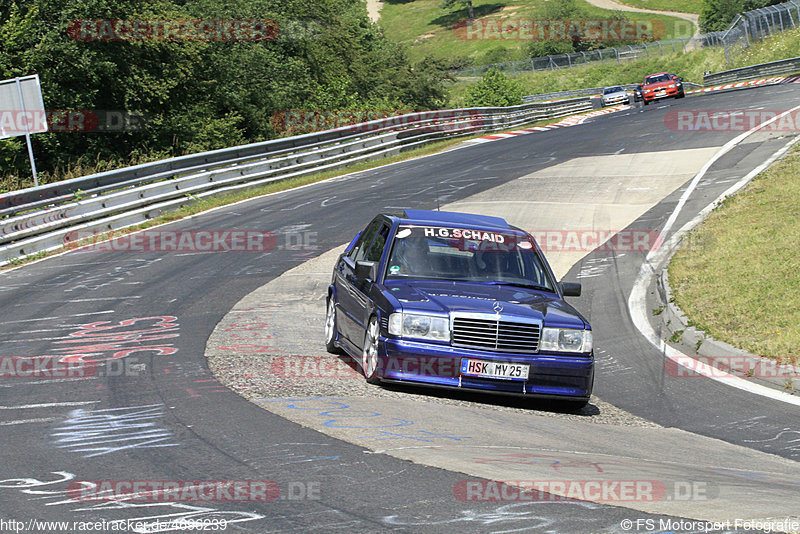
(499, 335)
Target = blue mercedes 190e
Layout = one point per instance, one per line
(455, 300)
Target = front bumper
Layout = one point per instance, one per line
(657, 95)
(551, 375)
(616, 100)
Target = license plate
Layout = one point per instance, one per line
(659, 93)
(505, 371)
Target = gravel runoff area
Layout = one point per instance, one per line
(270, 345)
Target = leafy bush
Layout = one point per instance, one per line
(200, 94)
(717, 15)
(495, 89)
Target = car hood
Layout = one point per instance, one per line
(443, 297)
(658, 85)
(615, 95)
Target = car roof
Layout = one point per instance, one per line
(454, 217)
(657, 74)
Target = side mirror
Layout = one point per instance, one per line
(571, 289)
(366, 270)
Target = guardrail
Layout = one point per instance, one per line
(564, 94)
(784, 66)
(588, 92)
(51, 216)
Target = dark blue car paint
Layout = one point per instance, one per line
(552, 375)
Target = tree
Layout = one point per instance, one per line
(201, 94)
(717, 15)
(495, 89)
(460, 4)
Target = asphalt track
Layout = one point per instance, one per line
(156, 413)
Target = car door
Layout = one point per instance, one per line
(362, 304)
(345, 282)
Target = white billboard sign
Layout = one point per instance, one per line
(21, 107)
(22, 111)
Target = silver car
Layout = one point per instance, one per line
(615, 95)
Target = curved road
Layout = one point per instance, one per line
(694, 18)
(150, 410)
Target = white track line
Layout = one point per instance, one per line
(47, 405)
(637, 302)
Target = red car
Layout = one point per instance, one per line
(661, 85)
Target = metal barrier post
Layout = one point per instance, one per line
(747, 30)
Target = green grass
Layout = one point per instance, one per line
(737, 274)
(690, 66)
(427, 29)
(683, 6)
(783, 45)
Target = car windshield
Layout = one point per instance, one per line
(609, 90)
(657, 79)
(459, 254)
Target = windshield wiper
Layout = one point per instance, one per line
(528, 285)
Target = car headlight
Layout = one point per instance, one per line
(671, 86)
(566, 340)
(419, 326)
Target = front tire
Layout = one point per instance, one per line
(330, 328)
(369, 354)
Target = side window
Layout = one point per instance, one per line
(359, 250)
(376, 248)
